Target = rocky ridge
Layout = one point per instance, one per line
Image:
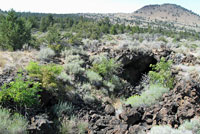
(170, 13)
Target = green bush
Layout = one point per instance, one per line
(106, 67)
(47, 74)
(12, 124)
(162, 73)
(56, 47)
(53, 35)
(45, 22)
(24, 93)
(75, 40)
(105, 70)
(148, 97)
(54, 39)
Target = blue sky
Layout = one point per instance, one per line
(91, 6)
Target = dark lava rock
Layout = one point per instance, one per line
(131, 115)
(40, 124)
(109, 109)
(7, 76)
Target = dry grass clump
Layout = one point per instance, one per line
(2, 60)
(17, 59)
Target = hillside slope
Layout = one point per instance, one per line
(170, 13)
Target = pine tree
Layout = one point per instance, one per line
(46, 22)
(14, 32)
(113, 30)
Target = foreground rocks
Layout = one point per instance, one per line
(180, 104)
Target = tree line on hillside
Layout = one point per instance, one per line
(16, 29)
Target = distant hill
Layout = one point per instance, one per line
(170, 16)
(168, 12)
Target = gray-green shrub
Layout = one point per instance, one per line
(63, 108)
(73, 126)
(67, 126)
(167, 130)
(12, 124)
(65, 77)
(73, 65)
(192, 125)
(110, 85)
(73, 51)
(115, 80)
(148, 97)
(189, 127)
(46, 54)
(93, 76)
(82, 126)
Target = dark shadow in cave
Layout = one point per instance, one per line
(134, 70)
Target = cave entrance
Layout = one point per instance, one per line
(135, 68)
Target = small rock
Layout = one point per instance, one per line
(109, 109)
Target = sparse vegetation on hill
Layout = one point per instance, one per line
(168, 13)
